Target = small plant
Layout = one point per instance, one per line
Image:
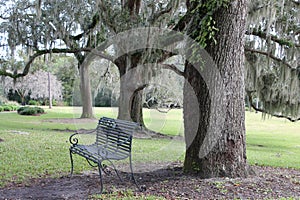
(30, 110)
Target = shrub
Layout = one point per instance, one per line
(10, 106)
(39, 110)
(1, 109)
(54, 102)
(7, 108)
(21, 109)
(15, 108)
(30, 110)
(33, 102)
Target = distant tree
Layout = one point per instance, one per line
(65, 69)
(35, 85)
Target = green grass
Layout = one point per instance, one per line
(44, 150)
(272, 142)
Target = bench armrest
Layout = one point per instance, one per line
(74, 140)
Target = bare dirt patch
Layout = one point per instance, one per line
(167, 181)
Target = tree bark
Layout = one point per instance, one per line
(85, 90)
(228, 156)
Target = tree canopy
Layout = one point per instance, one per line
(272, 43)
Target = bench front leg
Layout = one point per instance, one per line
(72, 165)
(132, 176)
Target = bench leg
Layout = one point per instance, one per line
(72, 166)
(132, 176)
(100, 175)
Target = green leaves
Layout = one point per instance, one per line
(204, 28)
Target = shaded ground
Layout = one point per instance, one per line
(166, 181)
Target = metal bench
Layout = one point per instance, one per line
(113, 142)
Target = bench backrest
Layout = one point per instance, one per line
(116, 134)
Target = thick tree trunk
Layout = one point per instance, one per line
(137, 107)
(130, 101)
(85, 90)
(228, 155)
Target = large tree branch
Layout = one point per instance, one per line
(281, 41)
(264, 111)
(92, 25)
(268, 55)
(275, 115)
(173, 68)
(168, 9)
(183, 22)
(47, 51)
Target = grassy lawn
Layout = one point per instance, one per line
(272, 142)
(37, 146)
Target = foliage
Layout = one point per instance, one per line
(204, 11)
(27, 110)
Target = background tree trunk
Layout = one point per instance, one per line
(49, 91)
(85, 90)
(131, 95)
(228, 156)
